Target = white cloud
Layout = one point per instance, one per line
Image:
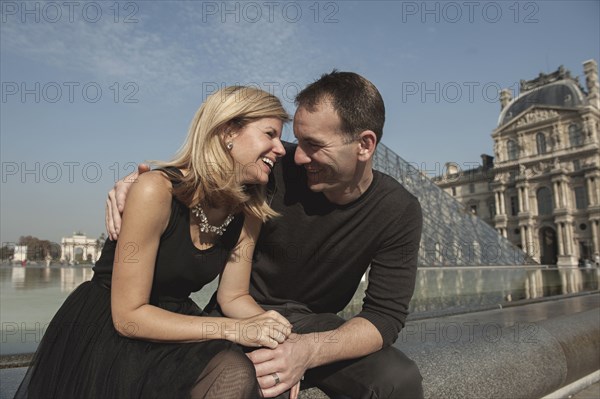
(168, 50)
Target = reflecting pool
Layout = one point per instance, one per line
(29, 296)
(446, 290)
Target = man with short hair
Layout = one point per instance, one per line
(338, 217)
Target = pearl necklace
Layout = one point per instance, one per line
(205, 227)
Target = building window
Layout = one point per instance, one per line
(580, 197)
(540, 140)
(492, 208)
(512, 150)
(575, 136)
(576, 165)
(471, 188)
(454, 191)
(544, 201)
(473, 209)
(585, 250)
(514, 205)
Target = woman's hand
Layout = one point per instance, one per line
(267, 329)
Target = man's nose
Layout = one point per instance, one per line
(300, 156)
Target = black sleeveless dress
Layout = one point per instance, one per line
(82, 356)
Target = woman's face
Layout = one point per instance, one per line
(256, 148)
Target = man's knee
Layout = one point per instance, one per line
(388, 373)
(393, 375)
(405, 382)
(400, 380)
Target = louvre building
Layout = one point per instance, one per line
(541, 189)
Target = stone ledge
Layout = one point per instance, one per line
(525, 351)
(499, 354)
(14, 361)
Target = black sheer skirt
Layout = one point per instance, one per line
(82, 356)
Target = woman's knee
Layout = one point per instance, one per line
(229, 375)
(236, 365)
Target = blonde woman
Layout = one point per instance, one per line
(133, 331)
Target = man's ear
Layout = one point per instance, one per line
(367, 141)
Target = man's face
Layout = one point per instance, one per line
(329, 158)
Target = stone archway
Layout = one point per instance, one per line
(548, 246)
(79, 248)
(77, 254)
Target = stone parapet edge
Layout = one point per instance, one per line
(561, 350)
(577, 386)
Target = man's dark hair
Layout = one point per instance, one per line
(356, 100)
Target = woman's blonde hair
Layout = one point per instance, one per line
(211, 176)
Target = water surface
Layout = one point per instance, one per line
(29, 296)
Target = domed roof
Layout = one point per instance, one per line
(562, 93)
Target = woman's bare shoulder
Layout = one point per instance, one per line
(155, 183)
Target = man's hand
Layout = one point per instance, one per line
(115, 203)
(289, 360)
(355, 338)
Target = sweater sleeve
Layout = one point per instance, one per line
(393, 272)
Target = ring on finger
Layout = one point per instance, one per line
(276, 378)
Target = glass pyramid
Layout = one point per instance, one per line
(451, 235)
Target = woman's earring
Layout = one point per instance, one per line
(229, 145)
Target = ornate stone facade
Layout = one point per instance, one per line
(87, 247)
(542, 188)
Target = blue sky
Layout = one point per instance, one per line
(91, 88)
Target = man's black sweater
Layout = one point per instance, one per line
(316, 252)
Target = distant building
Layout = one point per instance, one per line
(541, 190)
(79, 244)
(20, 253)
